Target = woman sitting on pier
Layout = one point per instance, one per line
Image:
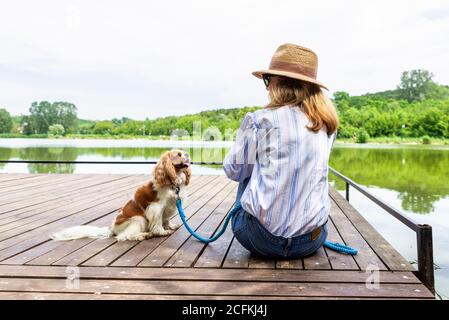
(280, 158)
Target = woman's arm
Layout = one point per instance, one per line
(239, 162)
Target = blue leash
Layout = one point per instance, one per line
(331, 245)
(340, 248)
(193, 233)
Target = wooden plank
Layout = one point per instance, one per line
(107, 296)
(81, 208)
(135, 255)
(15, 193)
(212, 274)
(15, 184)
(22, 181)
(317, 261)
(65, 247)
(228, 288)
(201, 209)
(63, 212)
(7, 177)
(110, 254)
(233, 280)
(119, 248)
(338, 260)
(34, 237)
(116, 250)
(28, 219)
(199, 184)
(44, 199)
(33, 253)
(86, 252)
(36, 193)
(70, 247)
(191, 249)
(289, 264)
(197, 212)
(29, 197)
(366, 257)
(391, 257)
(237, 256)
(144, 248)
(99, 181)
(256, 262)
(215, 252)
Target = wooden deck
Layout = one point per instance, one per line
(176, 267)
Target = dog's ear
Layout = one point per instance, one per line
(188, 173)
(164, 171)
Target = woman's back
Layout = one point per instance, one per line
(287, 164)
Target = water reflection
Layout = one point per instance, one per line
(52, 154)
(98, 154)
(5, 154)
(420, 176)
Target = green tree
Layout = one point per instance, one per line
(56, 130)
(6, 122)
(415, 84)
(341, 100)
(44, 114)
(103, 127)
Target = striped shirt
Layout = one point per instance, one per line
(287, 165)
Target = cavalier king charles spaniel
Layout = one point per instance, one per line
(149, 212)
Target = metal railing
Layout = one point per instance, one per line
(423, 232)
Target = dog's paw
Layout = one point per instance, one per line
(173, 226)
(135, 237)
(142, 236)
(160, 232)
(121, 238)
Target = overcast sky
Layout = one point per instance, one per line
(154, 58)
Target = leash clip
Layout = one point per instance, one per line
(177, 192)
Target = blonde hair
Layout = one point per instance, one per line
(307, 96)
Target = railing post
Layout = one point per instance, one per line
(347, 191)
(425, 256)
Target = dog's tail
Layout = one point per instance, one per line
(79, 232)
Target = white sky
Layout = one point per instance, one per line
(146, 59)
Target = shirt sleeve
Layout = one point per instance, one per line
(334, 138)
(239, 162)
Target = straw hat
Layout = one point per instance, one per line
(293, 61)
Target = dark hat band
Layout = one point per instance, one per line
(293, 67)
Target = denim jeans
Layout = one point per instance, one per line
(259, 241)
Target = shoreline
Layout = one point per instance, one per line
(163, 142)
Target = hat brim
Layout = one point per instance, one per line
(293, 75)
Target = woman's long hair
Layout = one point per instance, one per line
(307, 96)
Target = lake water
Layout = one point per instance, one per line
(414, 179)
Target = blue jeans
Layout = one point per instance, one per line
(259, 241)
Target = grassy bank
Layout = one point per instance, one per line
(85, 136)
(398, 140)
(379, 140)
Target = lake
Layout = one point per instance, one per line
(414, 179)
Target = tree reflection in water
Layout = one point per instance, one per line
(419, 175)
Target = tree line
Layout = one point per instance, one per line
(417, 107)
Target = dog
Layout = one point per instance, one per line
(149, 211)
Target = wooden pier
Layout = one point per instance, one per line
(32, 266)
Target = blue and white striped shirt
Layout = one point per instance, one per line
(288, 166)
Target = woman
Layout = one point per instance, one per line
(280, 158)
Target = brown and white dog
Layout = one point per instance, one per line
(149, 212)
